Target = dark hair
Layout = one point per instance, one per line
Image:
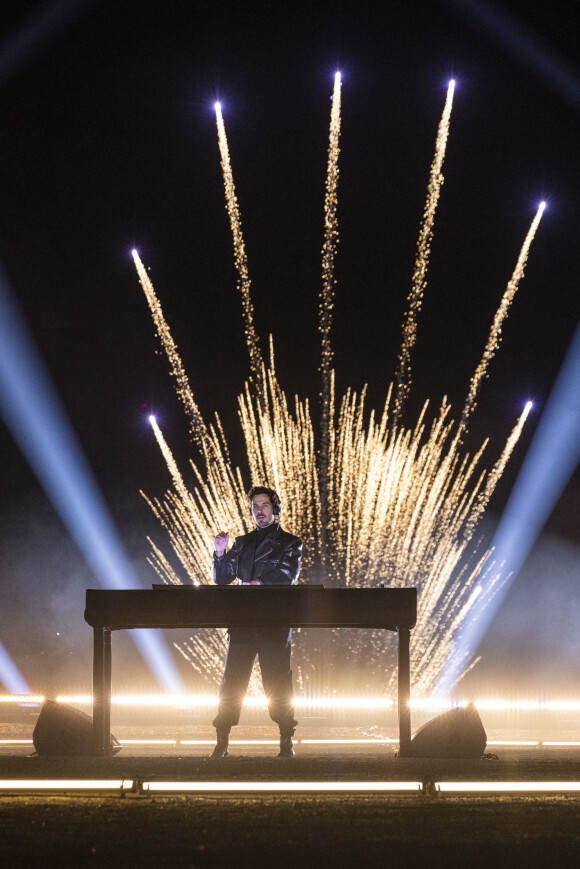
(272, 495)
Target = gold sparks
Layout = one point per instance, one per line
(197, 425)
(330, 232)
(327, 302)
(169, 460)
(402, 503)
(495, 335)
(496, 472)
(240, 256)
(415, 298)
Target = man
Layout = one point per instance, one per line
(266, 556)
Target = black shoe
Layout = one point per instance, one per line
(286, 749)
(221, 747)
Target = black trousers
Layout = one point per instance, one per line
(273, 648)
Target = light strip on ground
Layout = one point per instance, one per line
(507, 786)
(384, 741)
(506, 743)
(528, 705)
(284, 786)
(231, 742)
(64, 784)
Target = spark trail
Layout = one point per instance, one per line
(494, 339)
(403, 501)
(326, 304)
(415, 298)
(197, 426)
(241, 259)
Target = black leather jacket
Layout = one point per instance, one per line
(276, 560)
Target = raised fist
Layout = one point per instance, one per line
(220, 543)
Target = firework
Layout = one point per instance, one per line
(241, 259)
(326, 304)
(419, 282)
(495, 335)
(402, 502)
(197, 425)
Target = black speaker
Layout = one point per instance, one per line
(457, 734)
(64, 731)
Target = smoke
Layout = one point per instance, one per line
(44, 578)
(532, 647)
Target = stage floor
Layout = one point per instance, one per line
(284, 827)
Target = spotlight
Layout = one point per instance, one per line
(38, 422)
(549, 463)
(10, 675)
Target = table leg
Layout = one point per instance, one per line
(102, 690)
(404, 698)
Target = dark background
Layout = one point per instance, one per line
(109, 143)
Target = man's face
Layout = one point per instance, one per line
(262, 511)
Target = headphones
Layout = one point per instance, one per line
(271, 494)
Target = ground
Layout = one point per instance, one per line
(296, 829)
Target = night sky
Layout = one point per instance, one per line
(109, 143)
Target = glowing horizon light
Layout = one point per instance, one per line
(341, 702)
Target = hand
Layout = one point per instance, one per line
(220, 543)
(252, 582)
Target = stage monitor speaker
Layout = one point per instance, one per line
(64, 731)
(458, 733)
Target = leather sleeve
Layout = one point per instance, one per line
(224, 570)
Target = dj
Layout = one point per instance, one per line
(266, 556)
